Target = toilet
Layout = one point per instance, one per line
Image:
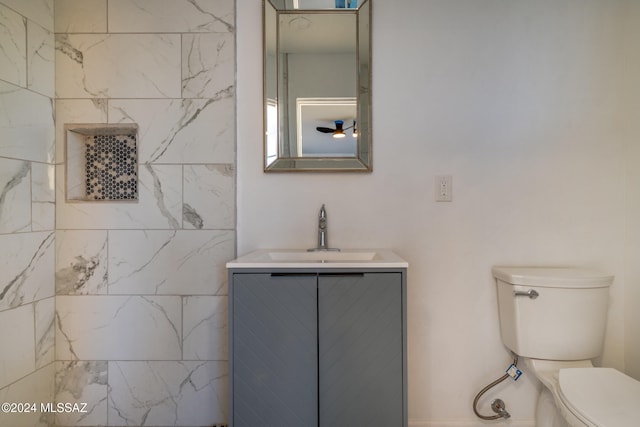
(554, 319)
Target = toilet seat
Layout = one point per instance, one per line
(602, 397)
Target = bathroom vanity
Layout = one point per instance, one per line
(318, 339)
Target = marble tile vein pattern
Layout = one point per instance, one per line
(15, 196)
(27, 128)
(209, 197)
(208, 65)
(160, 199)
(35, 387)
(181, 393)
(118, 65)
(42, 197)
(81, 262)
(40, 60)
(40, 11)
(82, 381)
(118, 328)
(205, 334)
(158, 16)
(181, 262)
(159, 203)
(181, 131)
(13, 55)
(18, 358)
(45, 331)
(25, 270)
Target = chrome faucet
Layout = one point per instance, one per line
(323, 233)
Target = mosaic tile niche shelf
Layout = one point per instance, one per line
(102, 162)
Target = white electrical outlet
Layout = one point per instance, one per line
(444, 188)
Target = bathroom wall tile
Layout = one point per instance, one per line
(82, 382)
(181, 131)
(118, 65)
(26, 268)
(45, 331)
(43, 197)
(159, 16)
(40, 11)
(40, 60)
(81, 262)
(18, 358)
(209, 197)
(15, 196)
(208, 64)
(13, 55)
(80, 16)
(159, 203)
(26, 125)
(162, 393)
(118, 328)
(205, 335)
(178, 262)
(37, 388)
(80, 111)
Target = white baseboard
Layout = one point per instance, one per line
(471, 423)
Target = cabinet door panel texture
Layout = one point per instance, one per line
(275, 372)
(360, 350)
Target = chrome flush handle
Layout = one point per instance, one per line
(531, 293)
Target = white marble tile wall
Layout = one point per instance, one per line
(18, 358)
(26, 268)
(207, 64)
(204, 328)
(159, 203)
(15, 195)
(13, 55)
(40, 59)
(141, 305)
(82, 382)
(45, 332)
(37, 387)
(181, 130)
(39, 11)
(26, 124)
(209, 197)
(135, 327)
(118, 66)
(81, 16)
(43, 197)
(81, 262)
(26, 207)
(180, 262)
(184, 393)
(159, 16)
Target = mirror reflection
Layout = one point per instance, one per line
(316, 82)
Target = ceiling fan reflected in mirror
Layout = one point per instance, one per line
(338, 131)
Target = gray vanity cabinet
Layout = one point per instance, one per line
(317, 348)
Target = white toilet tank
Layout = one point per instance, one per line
(565, 321)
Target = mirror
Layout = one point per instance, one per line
(317, 79)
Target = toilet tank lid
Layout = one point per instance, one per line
(553, 277)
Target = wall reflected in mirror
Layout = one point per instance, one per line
(316, 83)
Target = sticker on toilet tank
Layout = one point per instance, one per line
(514, 372)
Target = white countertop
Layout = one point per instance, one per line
(301, 258)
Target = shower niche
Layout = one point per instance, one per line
(102, 162)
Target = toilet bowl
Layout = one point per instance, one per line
(554, 318)
(583, 395)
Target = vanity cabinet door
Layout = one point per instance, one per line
(361, 357)
(275, 373)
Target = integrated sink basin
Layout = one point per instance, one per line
(301, 258)
(315, 256)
